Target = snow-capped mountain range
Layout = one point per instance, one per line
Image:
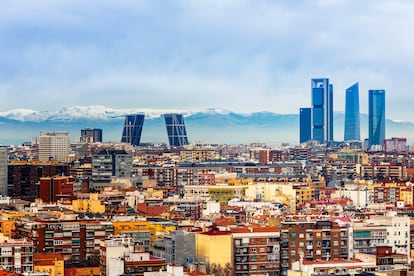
(214, 124)
(93, 112)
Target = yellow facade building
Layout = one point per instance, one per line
(223, 193)
(51, 263)
(214, 247)
(7, 221)
(91, 205)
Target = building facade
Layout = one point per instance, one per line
(109, 164)
(352, 122)
(305, 118)
(376, 117)
(322, 110)
(177, 134)
(132, 129)
(91, 135)
(53, 146)
(3, 171)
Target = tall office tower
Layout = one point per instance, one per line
(54, 145)
(3, 171)
(91, 135)
(305, 118)
(376, 117)
(322, 110)
(177, 135)
(352, 128)
(133, 129)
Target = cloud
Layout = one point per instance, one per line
(240, 55)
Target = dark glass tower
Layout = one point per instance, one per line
(133, 129)
(376, 117)
(305, 118)
(322, 110)
(177, 135)
(352, 126)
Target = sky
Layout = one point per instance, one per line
(238, 55)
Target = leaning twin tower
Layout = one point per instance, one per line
(177, 135)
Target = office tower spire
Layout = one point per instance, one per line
(322, 110)
(177, 134)
(352, 125)
(376, 117)
(133, 129)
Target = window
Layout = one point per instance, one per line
(301, 235)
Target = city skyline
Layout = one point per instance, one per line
(242, 56)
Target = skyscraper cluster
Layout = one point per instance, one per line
(316, 122)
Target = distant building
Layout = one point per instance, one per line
(23, 179)
(215, 247)
(109, 164)
(322, 110)
(3, 171)
(352, 124)
(53, 146)
(133, 129)
(55, 188)
(91, 135)
(177, 247)
(120, 256)
(376, 117)
(305, 118)
(395, 144)
(177, 134)
(16, 255)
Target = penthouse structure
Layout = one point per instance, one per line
(132, 129)
(177, 134)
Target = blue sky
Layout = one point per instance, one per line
(238, 55)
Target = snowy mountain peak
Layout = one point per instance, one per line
(93, 112)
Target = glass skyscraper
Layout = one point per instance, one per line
(305, 118)
(133, 129)
(177, 134)
(322, 110)
(352, 125)
(376, 117)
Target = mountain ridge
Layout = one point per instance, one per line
(213, 124)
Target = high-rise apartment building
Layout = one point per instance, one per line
(91, 135)
(54, 145)
(376, 117)
(3, 171)
(352, 125)
(305, 118)
(322, 110)
(133, 129)
(177, 134)
(109, 164)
